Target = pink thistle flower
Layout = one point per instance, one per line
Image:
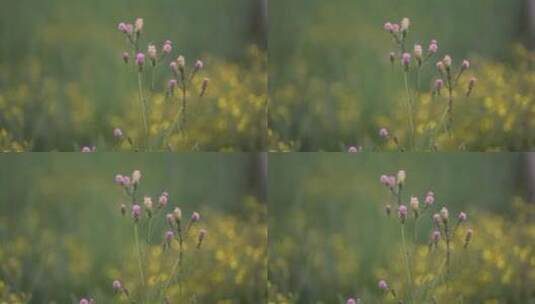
(406, 60)
(140, 60)
(169, 235)
(162, 201)
(402, 212)
(383, 285)
(139, 25)
(177, 214)
(465, 65)
(388, 27)
(87, 149)
(429, 199)
(136, 212)
(435, 236)
(444, 214)
(167, 47)
(122, 27)
(437, 219)
(195, 217)
(395, 28)
(84, 301)
(352, 301)
(352, 149)
(117, 286)
(119, 179)
(433, 47)
(199, 65)
(418, 51)
(462, 217)
(439, 83)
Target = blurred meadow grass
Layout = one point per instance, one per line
(63, 236)
(331, 83)
(63, 83)
(329, 237)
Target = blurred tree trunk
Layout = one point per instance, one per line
(259, 19)
(530, 176)
(258, 176)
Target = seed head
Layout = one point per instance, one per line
(181, 61)
(405, 24)
(202, 236)
(199, 65)
(119, 179)
(440, 66)
(383, 133)
(169, 235)
(178, 214)
(84, 301)
(447, 61)
(406, 60)
(437, 219)
(435, 236)
(174, 67)
(139, 25)
(401, 177)
(388, 209)
(118, 133)
(418, 51)
(136, 177)
(439, 84)
(392, 57)
(352, 149)
(152, 52)
(147, 201)
(444, 214)
(415, 204)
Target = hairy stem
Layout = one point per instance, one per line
(144, 108)
(409, 109)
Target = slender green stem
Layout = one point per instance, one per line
(144, 107)
(409, 109)
(140, 264)
(407, 265)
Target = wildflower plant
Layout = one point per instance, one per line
(413, 60)
(176, 240)
(444, 241)
(179, 87)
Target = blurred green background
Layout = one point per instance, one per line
(330, 79)
(63, 236)
(329, 237)
(68, 55)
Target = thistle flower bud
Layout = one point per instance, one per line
(147, 201)
(388, 27)
(117, 286)
(136, 177)
(153, 53)
(136, 212)
(138, 25)
(437, 219)
(468, 237)
(162, 201)
(465, 65)
(167, 47)
(433, 47)
(392, 57)
(415, 204)
(140, 61)
(118, 133)
(471, 85)
(444, 214)
(195, 217)
(123, 209)
(401, 177)
(439, 84)
(202, 236)
(126, 57)
(440, 67)
(170, 219)
(418, 51)
(447, 61)
(402, 212)
(383, 133)
(429, 199)
(406, 60)
(199, 65)
(181, 61)
(204, 86)
(388, 210)
(462, 217)
(177, 214)
(405, 24)
(383, 285)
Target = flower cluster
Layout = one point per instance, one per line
(413, 61)
(443, 230)
(181, 79)
(177, 230)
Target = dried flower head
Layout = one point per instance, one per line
(401, 176)
(138, 25)
(447, 61)
(199, 65)
(435, 236)
(147, 201)
(178, 214)
(444, 214)
(439, 84)
(181, 61)
(136, 177)
(418, 51)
